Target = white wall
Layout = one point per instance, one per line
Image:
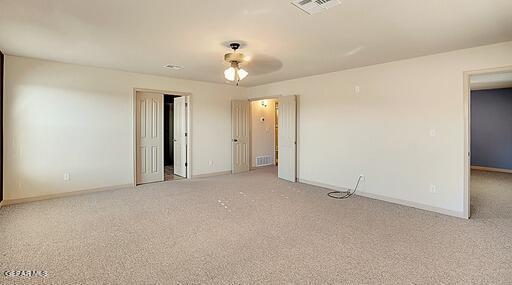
(263, 133)
(69, 118)
(384, 131)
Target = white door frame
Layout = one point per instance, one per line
(467, 131)
(297, 114)
(134, 128)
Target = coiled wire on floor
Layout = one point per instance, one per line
(345, 194)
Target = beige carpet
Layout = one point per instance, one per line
(253, 228)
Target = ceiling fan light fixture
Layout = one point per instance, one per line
(242, 74)
(234, 72)
(230, 74)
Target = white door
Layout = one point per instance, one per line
(180, 136)
(287, 138)
(149, 137)
(240, 135)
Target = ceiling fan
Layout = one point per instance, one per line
(234, 72)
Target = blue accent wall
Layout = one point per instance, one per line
(491, 128)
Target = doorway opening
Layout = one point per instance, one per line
(488, 166)
(161, 136)
(265, 135)
(170, 129)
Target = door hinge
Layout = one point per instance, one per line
(186, 134)
(186, 105)
(186, 164)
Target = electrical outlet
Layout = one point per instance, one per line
(66, 176)
(357, 89)
(210, 163)
(433, 132)
(433, 188)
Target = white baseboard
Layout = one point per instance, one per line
(212, 174)
(390, 200)
(65, 194)
(492, 169)
(6, 202)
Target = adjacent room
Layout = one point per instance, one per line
(264, 133)
(491, 141)
(256, 142)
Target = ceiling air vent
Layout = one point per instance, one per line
(173, 66)
(315, 6)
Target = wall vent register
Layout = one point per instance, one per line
(264, 160)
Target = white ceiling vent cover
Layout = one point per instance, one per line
(315, 6)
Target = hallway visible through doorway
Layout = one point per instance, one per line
(273, 135)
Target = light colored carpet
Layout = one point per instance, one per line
(253, 228)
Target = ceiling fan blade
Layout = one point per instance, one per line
(260, 64)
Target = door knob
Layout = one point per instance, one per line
(235, 140)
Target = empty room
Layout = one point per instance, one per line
(256, 142)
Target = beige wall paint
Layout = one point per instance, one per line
(384, 131)
(68, 118)
(263, 133)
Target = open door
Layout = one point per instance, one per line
(149, 137)
(1, 127)
(240, 135)
(180, 136)
(287, 142)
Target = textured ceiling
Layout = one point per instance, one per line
(283, 42)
